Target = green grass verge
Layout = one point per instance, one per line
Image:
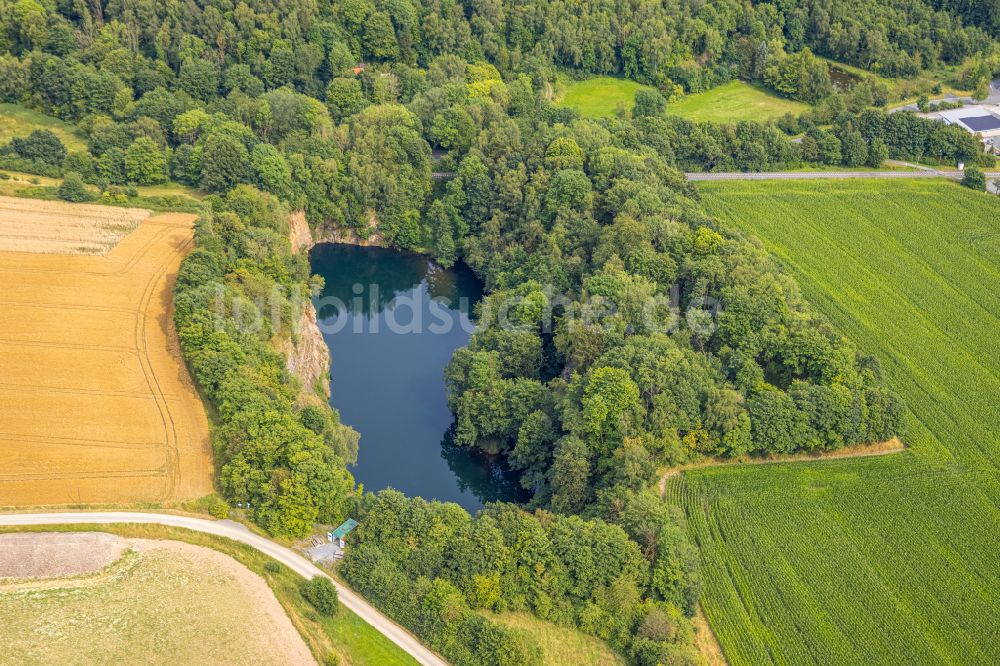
(344, 634)
(16, 120)
(881, 560)
(734, 101)
(168, 197)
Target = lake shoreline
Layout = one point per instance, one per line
(391, 320)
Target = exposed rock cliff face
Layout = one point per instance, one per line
(299, 233)
(307, 357)
(350, 237)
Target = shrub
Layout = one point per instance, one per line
(648, 103)
(974, 178)
(322, 594)
(272, 567)
(218, 507)
(41, 146)
(73, 188)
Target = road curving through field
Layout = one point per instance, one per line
(237, 532)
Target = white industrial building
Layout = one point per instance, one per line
(981, 119)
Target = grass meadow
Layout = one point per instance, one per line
(602, 96)
(561, 646)
(16, 120)
(890, 559)
(734, 101)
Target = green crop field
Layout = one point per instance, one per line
(15, 120)
(734, 101)
(890, 559)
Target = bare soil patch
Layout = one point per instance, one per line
(48, 554)
(96, 404)
(30, 225)
(163, 602)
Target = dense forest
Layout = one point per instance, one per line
(205, 48)
(630, 582)
(594, 392)
(624, 329)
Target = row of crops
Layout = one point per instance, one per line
(891, 559)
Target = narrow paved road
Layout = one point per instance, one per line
(923, 172)
(992, 98)
(237, 532)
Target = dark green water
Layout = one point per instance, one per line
(842, 80)
(392, 321)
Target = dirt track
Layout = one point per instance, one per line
(96, 405)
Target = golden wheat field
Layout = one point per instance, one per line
(96, 404)
(30, 225)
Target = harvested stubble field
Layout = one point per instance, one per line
(96, 405)
(32, 225)
(162, 602)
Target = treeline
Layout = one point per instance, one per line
(235, 293)
(210, 48)
(866, 138)
(435, 569)
(898, 38)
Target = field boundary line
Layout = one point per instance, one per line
(889, 446)
(69, 345)
(68, 306)
(92, 474)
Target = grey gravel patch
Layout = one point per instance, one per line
(55, 554)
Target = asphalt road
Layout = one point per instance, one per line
(231, 530)
(992, 98)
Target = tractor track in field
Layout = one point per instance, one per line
(92, 349)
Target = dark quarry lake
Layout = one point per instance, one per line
(391, 321)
